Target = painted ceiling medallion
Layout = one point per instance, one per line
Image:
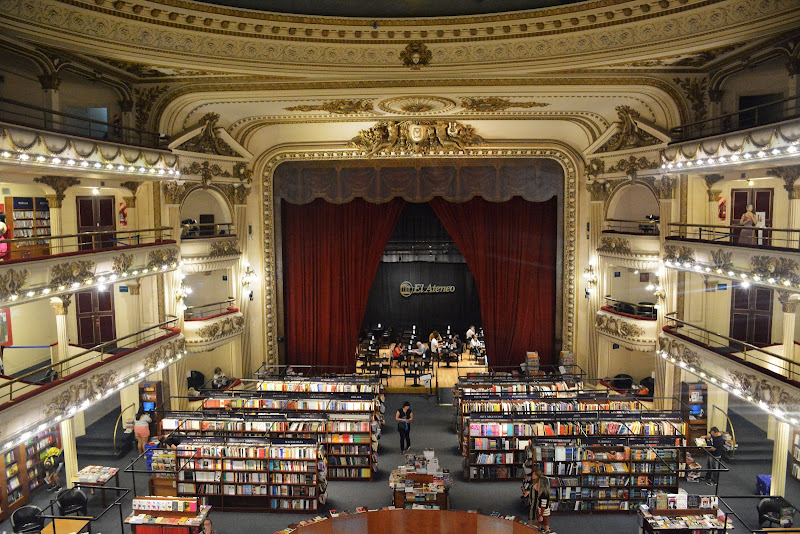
(416, 105)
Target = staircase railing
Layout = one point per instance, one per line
(732, 453)
(116, 425)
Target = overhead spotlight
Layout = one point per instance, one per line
(751, 183)
(95, 191)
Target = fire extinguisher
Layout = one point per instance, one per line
(123, 214)
(722, 209)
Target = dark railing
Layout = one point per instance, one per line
(21, 114)
(746, 236)
(641, 310)
(197, 230)
(48, 245)
(761, 115)
(48, 372)
(631, 226)
(207, 310)
(774, 363)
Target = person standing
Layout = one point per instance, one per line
(540, 500)
(435, 343)
(715, 448)
(208, 527)
(470, 333)
(141, 429)
(404, 417)
(748, 221)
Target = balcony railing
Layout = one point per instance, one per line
(631, 226)
(774, 363)
(14, 112)
(744, 236)
(49, 372)
(195, 313)
(200, 230)
(641, 310)
(743, 119)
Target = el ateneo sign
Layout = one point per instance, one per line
(407, 289)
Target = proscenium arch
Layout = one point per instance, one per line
(568, 159)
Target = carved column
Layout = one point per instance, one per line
(599, 197)
(789, 175)
(664, 372)
(789, 308)
(59, 184)
(70, 451)
(134, 290)
(173, 197)
(780, 452)
(60, 306)
(238, 197)
(52, 100)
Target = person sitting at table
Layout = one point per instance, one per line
(435, 343)
(397, 353)
(220, 380)
(470, 334)
(457, 345)
(420, 350)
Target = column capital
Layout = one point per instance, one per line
(174, 192)
(710, 283)
(713, 194)
(61, 304)
(59, 184)
(50, 82)
(789, 175)
(598, 191)
(131, 186)
(711, 179)
(134, 288)
(788, 304)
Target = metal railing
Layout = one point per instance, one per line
(735, 234)
(631, 226)
(22, 114)
(21, 248)
(742, 119)
(734, 348)
(116, 425)
(643, 310)
(193, 313)
(50, 372)
(200, 230)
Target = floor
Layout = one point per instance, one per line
(433, 428)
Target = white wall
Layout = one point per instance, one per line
(627, 286)
(633, 203)
(27, 332)
(767, 78)
(205, 202)
(208, 287)
(636, 364)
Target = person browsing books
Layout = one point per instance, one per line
(540, 500)
(404, 417)
(716, 445)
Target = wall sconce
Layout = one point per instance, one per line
(658, 290)
(591, 279)
(181, 293)
(248, 277)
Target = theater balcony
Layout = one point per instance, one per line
(763, 376)
(54, 391)
(209, 247)
(212, 325)
(38, 140)
(628, 324)
(746, 139)
(51, 266)
(768, 259)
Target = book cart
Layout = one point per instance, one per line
(250, 474)
(606, 461)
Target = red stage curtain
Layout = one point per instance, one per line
(331, 255)
(510, 247)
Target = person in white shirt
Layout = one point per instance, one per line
(470, 333)
(435, 343)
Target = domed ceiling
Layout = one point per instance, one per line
(391, 9)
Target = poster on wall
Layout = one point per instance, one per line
(5, 327)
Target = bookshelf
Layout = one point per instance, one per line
(27, 217)
(344, 416)
(163, 464)
(795, 454)
(22, 470)
(151, 398)
(254, 474)
(694, 396)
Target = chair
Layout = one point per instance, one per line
(412, 372)
(384, 373)
(773, 509)
(27, 519)
(72, 500)
(195, 380)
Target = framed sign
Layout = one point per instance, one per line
(5, 327)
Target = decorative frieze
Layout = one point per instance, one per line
(11, 283)
(159, 257)
(721, 259)
(633, 165)
(221, 249)
(174, 192)
(80, 390)
(416, 137)
(64, 275)
(163, 355)
(349, 106)
(220, 329)
(496, 103)
(615, 245)
(416, 55)
(120, 264)
(777, 268)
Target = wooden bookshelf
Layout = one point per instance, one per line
(794, 455)
(151, 398)
(252, 474)
(27, 217)
(694, 399)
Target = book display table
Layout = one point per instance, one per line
(694, 520)
(97, 476)
(167, 515)
(421, 484)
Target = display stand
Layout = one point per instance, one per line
(694, 520)
(421, 483)
(167, 515)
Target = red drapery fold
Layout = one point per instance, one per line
(331, 256)
(510, 247)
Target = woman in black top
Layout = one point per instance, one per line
(404, 417)
(540, 500)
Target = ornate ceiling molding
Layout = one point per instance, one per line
(417, 105)
(416, 137)
(629, 134)
(494, 103)
(349, 106)
(563, 155)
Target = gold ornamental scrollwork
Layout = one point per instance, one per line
(207, 142)
(59, 184)
(224, 248)
(629, 134)
(145, 100)
(65, 275)
(619, 327)
(79, 391)
(696, 92)
(221, 329)
(207, 171)
(351, 106)
(496, 103)
(163, 355)
(778, 268)
(416, 137)
(122, 263)
(236, 194)
(174, 192)
(721, 259)
(615, 245)
(12, 282)
(763, 390)
(678, 350)
(633, 165)
(160, 257)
